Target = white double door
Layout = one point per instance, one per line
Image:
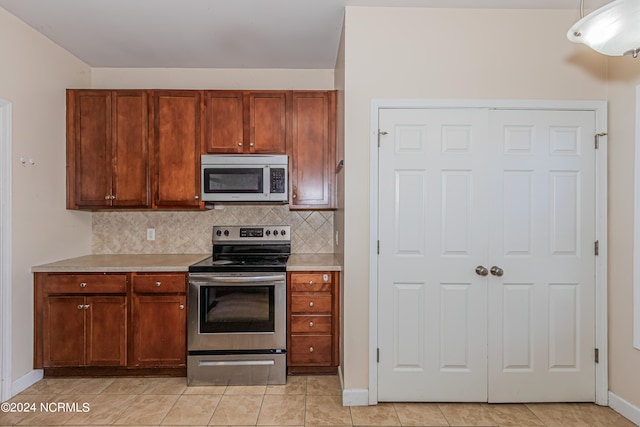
(486, 270)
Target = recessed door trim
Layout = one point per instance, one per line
(600, 110)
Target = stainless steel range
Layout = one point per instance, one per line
(237, 308)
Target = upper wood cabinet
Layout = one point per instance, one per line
(312, 157)
(107, 149)
(240, 122)
(176, 148)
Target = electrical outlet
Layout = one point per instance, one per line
(151, 234)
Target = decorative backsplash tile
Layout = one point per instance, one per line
(124, 232)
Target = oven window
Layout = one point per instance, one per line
(233, 180)
(236, 309)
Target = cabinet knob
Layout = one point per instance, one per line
(239, 144)
(251, 144)
(107, 197)
(113, 197)
(310, 282)
(83, 285)
(311, 324)
(181, 306)
(86, 306)
(310, 349)
(293, 196)
(158, 284)
(80, 306)
(311, 304)
(197, 197)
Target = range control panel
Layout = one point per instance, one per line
(264, 233)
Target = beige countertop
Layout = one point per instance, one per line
(121, 263)
(307, 262)
(169, 262)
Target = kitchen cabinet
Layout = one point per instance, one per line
(159, 320)
(241, 122)
(175, 149)
(81, 320)
(107, 149)
(313, 322)
(312, 158)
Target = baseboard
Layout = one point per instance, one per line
(355, 397)
(624, 408)
(26, 381)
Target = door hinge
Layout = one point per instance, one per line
(378, 247)
(596, 355)
(378, 355)
(598, 135)
(596, 247)
(381, 132)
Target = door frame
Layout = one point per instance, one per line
(600, 110)
(5, 250)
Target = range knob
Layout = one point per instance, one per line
(226, 233)
(283, 232)
(275, 232)
(218, 233)
(268, 232)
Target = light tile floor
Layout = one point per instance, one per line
(304, 401)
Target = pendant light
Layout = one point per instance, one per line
(612, 30)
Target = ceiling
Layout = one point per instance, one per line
(302, 34)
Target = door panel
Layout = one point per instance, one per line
(542, 236)
(431, 337)
(513, 190)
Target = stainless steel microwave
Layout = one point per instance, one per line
(244, 178)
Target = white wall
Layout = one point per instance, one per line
(223, 79)
(440, 53)
(33, 77)
(624, 360)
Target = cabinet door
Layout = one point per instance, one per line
(176, 149)
(159, 330)
(267, 123)
(88, 149)
(224, 122)
(106, 325)
(130, 152)
(63, 331)
(313, 150)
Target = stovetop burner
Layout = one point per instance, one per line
(247, 249)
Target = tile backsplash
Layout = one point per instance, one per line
(121, 232)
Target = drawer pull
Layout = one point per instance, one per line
(310, 282)
(181, 306)
(311, 324)
(83, 285)
(310, 349)
(158, 284)
(311, 304)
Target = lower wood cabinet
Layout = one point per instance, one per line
(159, 320)
(122, 321)
(313, 322)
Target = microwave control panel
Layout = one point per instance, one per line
(278, 180)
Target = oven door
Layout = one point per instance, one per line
(235, 182)
(237, 311)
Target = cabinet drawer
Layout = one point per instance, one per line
(311, 303)
(311, 282)
(160, 283)
(86, 284)
(310, 349)
(312, 324)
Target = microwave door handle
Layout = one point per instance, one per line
(232, 279)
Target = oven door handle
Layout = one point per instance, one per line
(234, 279)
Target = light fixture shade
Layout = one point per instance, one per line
(613, 30)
